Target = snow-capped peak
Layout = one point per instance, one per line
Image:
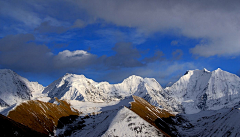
(78, 87)
(6, 71)
(200, 90)
(15, 89)
(133, 79)
(204, 69)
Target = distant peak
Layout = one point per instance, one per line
(6, 70)
(186, 72)
(134, 77)
(70, 74)
(67, 74)
(205, 70)
(218, 70)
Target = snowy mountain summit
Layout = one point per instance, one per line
(78, 87)
(15, 89)
(204, 90)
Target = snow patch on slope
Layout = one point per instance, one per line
(127, 123)
(213, 123)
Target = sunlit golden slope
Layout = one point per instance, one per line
(148, 112)
(41, 116)
(10, 128)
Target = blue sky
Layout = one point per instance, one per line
(111, 40)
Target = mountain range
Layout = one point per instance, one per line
(196, 94)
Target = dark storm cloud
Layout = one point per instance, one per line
(19, 52)
(43, 16)
(58, 27)
(177, 54)
(216, 21)
(46, 27)
(158, 56)
(126, 56)
(22, 53)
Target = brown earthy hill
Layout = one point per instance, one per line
(41, 116)
(10, 128)
(149, 112)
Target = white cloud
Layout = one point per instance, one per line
(27, 17)
(228, 46)
(77, 54)
(164, 71)
(216, 21)
(74, 59)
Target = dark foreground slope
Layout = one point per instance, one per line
(10, 128)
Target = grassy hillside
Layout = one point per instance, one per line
(41, 116)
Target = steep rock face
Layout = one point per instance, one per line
(41, 116)
(3, 103)
(223, 90)
(78, 87)
(15, 89)
(202, 90)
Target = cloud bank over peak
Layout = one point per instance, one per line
(23, 53)
(215, 21)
